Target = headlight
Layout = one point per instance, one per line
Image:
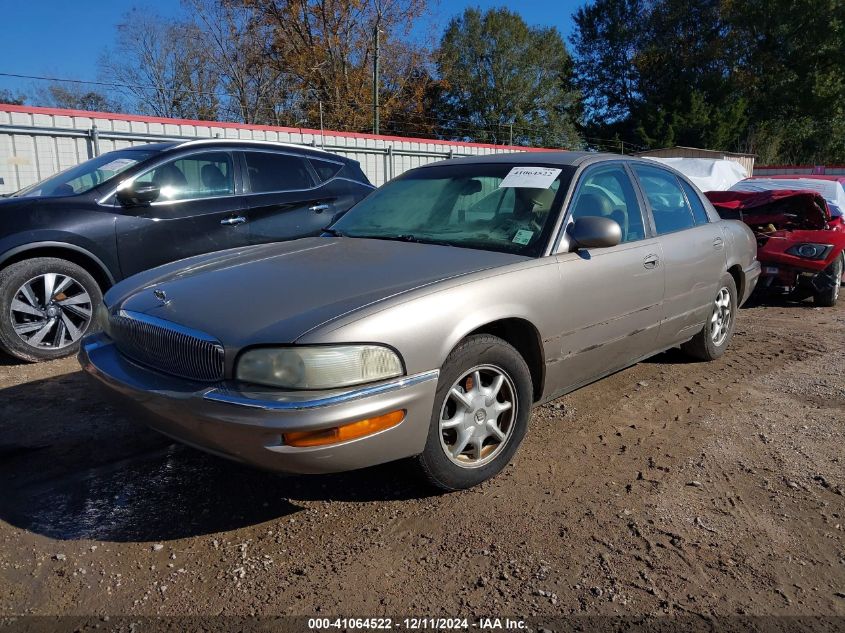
(101, 318)
(810, 251)
(318, 367)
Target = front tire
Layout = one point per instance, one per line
(46, 307)
(827, 298)
(480, 415)
(716, 335)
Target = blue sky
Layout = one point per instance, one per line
(61, 38)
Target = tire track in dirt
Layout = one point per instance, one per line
(665, 488)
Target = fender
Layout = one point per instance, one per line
(446, 312)
(17, 250)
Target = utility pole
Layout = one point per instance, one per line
(510, 125)
(322, 136)
(376, 69)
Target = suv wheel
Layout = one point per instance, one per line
(480, 415)
(46, 306)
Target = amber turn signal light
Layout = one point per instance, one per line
(352, 431)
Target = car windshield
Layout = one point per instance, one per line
(498, 207)
(86, 176)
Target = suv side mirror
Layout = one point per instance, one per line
(138, 194)
(594, 231)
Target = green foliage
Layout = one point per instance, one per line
(500, 75)
(792, 68)
(765, 76)
(658, 72)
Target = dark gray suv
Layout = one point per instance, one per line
(66, 239)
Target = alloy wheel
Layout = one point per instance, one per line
(477, 417)
(720, 322)
(51, 311)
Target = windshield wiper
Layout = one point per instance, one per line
(407, 237)
(333, 232)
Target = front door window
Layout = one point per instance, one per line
(203, 175)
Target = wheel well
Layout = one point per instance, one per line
(739, 279)
(525, 338)
(76, 257)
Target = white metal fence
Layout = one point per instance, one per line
(38, 142)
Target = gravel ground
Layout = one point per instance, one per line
(669, 488)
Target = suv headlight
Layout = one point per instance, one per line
(318, 367)
(810, 251)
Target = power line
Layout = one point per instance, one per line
(456, 125)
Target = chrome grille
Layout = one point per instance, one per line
(166, 346)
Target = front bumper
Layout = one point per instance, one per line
(793, 280)
(248, 426)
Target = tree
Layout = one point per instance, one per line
(237, 47)
(659, 72)
(791, 60)
(765, 76)
(74, 96)
(502, 79)
(11, 98)
(608, 37)
(325, 50)
(163, 68)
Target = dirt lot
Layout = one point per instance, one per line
(671, 487)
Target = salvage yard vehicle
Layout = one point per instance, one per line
(800, 235)
(65, 240)
(430, 318)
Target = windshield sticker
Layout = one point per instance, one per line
(532, 177)
(118, 164)
(523, 236)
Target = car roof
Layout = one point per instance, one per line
(223, 142)
(560, 158)
(155, 147)
(316, 152)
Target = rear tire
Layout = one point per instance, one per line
(481, 412)
(715, 336)
(46, 307)
(828, 298)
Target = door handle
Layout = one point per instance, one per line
(319, 208)
(651, 261)
(718, 243)
(233, 221)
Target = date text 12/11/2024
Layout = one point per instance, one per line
(417, 624)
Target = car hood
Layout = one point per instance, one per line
(785, 209)
(275, 293)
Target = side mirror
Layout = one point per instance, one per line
(594, 231)
(138, 194)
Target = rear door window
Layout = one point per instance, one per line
(326, 170)
(667, 200)
(271, 172)
(699, 213)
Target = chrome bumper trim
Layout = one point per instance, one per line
(240, 400)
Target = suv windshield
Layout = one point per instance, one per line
(497, 207)
(86, 176)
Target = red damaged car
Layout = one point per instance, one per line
(800, 237)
